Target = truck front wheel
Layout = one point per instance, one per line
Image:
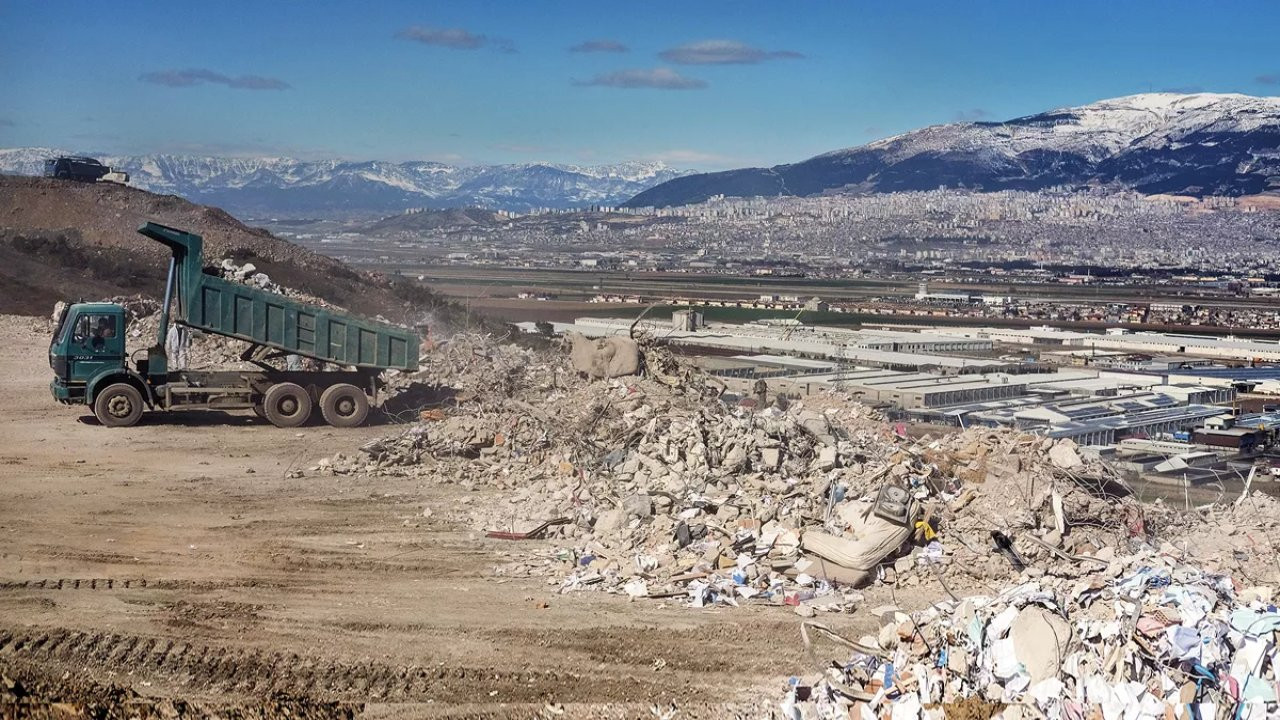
(286, 405)
(344, 405)
(118, 405)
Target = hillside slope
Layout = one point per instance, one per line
(1199, 144)
(62, 240)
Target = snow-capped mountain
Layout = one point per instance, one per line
(291, 188)
(1197, 144)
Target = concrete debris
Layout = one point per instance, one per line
(1153, 634)
(248, 274)
(1064, 457)
(604, 357)
(481, 373)
(666, 481)
(1065, 596)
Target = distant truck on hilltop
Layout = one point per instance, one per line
(82, 169)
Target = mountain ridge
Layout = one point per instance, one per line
(62, 240)
(1194, 144)
(289, 187)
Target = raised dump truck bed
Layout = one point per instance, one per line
(87, 353)
(212, 304)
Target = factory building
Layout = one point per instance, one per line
(922, 390)
(1151, 343)
(1106, 431)
(919, 342)
(843, 345)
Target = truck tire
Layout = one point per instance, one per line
(118, 405)
(286, 405)
(344, 405)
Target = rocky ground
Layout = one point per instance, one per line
(186, 560)
(691, 557)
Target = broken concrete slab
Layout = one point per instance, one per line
(770, 457)
(1040, 641)
(1063, 455)
(639, 505)
(608, 357)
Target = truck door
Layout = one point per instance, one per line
(97, 343)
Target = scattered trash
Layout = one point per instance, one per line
(1152, 635)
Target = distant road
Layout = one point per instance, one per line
(465, 280)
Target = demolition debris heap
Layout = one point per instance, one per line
(651, 485)
(1060, 595)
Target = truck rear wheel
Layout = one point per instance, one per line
(286, 405)
(118, 405)
(344, 405)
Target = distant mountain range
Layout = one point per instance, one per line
(1193, 144)
(281, 187)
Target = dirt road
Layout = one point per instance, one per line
(180, 559)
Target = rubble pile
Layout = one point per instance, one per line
(1043, 496)
(1065, 596)
(202, 349)
(136, 307)
(483, 371)
(781, 506)
(1240, 538)
(1151, 634)
(659, 488)
(708, 503)
(247, 274)
(513, 416)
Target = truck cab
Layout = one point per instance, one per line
(87, 355)
(83, 169)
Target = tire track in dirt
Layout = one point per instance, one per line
(127, 584)
(30, 691)
(252, 672)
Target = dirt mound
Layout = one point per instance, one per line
(63, 241)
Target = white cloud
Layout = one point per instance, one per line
(723, 52)
(659, 78)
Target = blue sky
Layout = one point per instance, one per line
(698, 83)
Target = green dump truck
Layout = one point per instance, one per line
(87, 352)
